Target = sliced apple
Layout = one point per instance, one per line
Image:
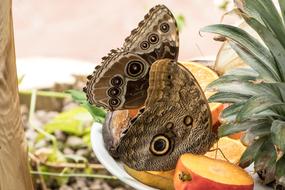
(197, 172)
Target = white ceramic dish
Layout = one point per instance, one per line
(116, 167)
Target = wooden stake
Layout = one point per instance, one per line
(14, 170)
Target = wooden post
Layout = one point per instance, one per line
(14, 169)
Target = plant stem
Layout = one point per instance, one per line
(73, 175)
(31, 114)
(46, 93)
(61, 165)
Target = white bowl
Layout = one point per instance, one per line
(116, 167)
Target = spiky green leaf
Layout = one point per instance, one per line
(266, 13)
(229, 113)
(256, 132)
(77, 95)
(271, 18)
(256, 105)
(271, 42)
(230, 83)
(231, 128)
(266, 156)
(269, 113)
(249, 154)
(247, 71)
(98, 114)
(249, 44)
(228, 97)
(280, 170)
(265, 161)
(271, 90)
(255, 63)
(282, 8)
(278, 134)
(248, 8)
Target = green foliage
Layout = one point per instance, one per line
(257, 102)
(98, 114)
(180, 19)
(75, 122)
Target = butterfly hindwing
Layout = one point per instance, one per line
(176, 120)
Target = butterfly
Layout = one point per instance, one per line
(121, 81)
(176, 119)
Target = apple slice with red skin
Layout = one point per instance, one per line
(198, 172)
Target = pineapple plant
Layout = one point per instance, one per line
(256, 94)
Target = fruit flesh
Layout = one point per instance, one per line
(209, 174)
(159, 179)
(231, 148)
(216, 170)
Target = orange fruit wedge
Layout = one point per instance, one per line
(231, 148)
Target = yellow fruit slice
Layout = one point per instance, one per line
(203, 74)
(231, 148)
(158, 179)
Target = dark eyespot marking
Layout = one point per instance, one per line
(144, 45)
(114, 91)
(114, 102)
(188, 120)
(135, 68)
(164, 27)
(153, 38)
(160, 145)
(117, 81)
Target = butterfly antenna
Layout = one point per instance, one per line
(200, 51)
(216, 153)
(218, 149)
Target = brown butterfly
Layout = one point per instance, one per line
(121, 81)
(176, 119)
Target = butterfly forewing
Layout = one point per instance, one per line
(156, 36)
(121, 81)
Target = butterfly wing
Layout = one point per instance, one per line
(176, 120)
(156, 37)
(120, 83)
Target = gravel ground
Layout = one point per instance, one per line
(69, 145)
